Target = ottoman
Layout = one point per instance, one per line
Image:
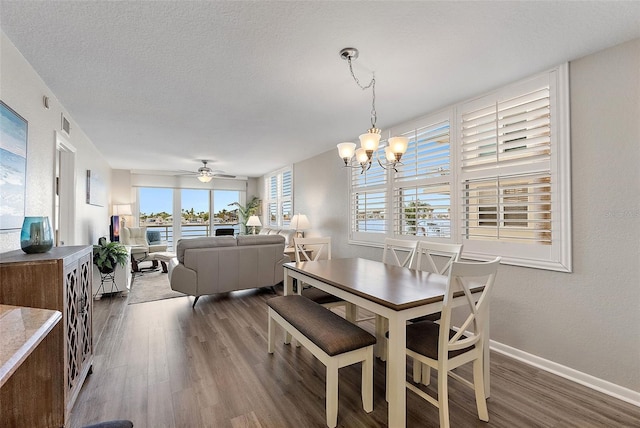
(163, 257)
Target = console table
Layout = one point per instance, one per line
(60, 280)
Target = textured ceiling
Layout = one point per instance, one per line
(253, 86)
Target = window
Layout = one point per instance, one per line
(189, 210)
(422, 186)
(279, 202)
(491, 173)
(156, 211)
(369, 200)
(194, 215)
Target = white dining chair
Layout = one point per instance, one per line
(445, 347)
(435, 257)
(396, 252)
(320, 250)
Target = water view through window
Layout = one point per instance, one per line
(156, 212)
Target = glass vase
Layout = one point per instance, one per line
(35, 236)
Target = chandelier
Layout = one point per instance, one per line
(370, 141)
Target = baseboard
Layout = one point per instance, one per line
(606, 387)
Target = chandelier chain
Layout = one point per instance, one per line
(372, 85)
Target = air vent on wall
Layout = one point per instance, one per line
(66, 126)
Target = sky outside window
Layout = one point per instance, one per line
(155, 200)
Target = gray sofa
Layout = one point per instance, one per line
(211, 265)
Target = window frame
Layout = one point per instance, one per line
(555, 256)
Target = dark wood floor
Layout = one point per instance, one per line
(164, 364)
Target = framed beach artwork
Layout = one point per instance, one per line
(13, 168)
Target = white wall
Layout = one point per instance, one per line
(22, 89)
(588, 320)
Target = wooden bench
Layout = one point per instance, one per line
(331, 339)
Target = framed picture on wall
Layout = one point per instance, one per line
(13, 167)
(96, 193)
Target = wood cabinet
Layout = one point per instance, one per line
(31, 382)
(59, 279)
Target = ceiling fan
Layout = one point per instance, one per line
(206, 174)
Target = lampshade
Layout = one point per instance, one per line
(346, 150)
(122, 209)
(254, 221)
(370, 141)
(205, 178)
(388, 154)
(398, 144)
(361, 155)
(300, 222)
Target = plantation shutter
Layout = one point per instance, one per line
(279, 191)
(273, 200)
(369, 202)
(287, 198)
(507, 184)
(422, 185)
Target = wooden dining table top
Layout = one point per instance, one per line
(395, 287)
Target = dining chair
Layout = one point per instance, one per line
(396, 252)
(445, 347)
(435, 257)
(321, 251)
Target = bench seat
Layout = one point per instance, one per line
(331, 339)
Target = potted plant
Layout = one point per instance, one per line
(106, 255)
(247, 211)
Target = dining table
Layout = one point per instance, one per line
(396, 293)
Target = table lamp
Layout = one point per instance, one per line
(300, 222)
(253, 222)
(122, 210)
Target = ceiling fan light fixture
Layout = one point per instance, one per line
(205, 178)
(205, 174)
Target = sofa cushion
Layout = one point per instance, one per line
(203, 242)
(288, 236)
(244, 240)
(287, 233)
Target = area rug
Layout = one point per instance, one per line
(151, 286)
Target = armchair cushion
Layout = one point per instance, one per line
(153, 237)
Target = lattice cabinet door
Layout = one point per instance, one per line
(79, 349)
(85, 312)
